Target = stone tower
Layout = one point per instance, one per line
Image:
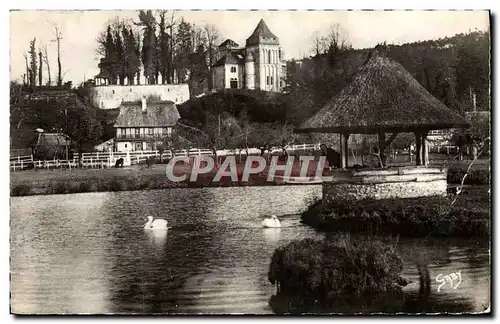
(265, 49)
(249, 71)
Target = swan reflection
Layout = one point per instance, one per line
(157, 238)
(272, 235)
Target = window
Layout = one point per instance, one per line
(271, 80)
(268, 80)
(125, 145)
(123, 132)
(279, 53)
(137, 132)
(151, 132)
(164, 130)
(233, 69)
(269, 56)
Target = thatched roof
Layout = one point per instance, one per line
(157, 114)
(382, 96)
(52, 139)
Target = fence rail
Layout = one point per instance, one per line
(108, 159)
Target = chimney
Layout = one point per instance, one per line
(144, 104)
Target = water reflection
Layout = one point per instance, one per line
(157, 239)
(90, 253)
(271, 235)
(56, 262)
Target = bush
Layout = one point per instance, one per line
(320, 270)
(116, 185)
(410, 216)
(59, 187)
(84, 187)
(20, 190)
(475, 177)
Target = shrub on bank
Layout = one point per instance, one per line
(475, 177)
(20, 190)
(409, 216)
(319, 270)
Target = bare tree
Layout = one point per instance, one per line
(46, 60)
(58, 37)
(319, 43)
(25, 79)
(212, 37)
(40, 68)
(170, 26)
(335, 39)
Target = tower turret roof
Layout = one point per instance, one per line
(262, 35)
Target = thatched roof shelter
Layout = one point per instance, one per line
(382, 96)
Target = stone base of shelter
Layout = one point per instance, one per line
(402, 182)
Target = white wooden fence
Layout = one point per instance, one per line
(108, 159)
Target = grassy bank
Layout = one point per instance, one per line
(327, 274)
(138, 177)
(468, 216)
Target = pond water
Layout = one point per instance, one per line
(89, 253)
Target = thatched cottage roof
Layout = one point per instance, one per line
(157, 114)
(382, 96)
(52, 139)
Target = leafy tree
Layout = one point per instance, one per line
(149, 46)
(165, 57)
(183, 50)
(82, 126)
(121, 60)
(131, 60)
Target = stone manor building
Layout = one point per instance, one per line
(258, 65)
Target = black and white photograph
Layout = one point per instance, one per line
(250, 162)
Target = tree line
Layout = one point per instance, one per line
(166, 48)
(36, 58)
(456, 70)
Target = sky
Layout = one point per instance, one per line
(294, 29)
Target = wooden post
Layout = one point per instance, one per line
(343, 152)
(346, 141)
(418, 140)
(425, 149)
(381, 146)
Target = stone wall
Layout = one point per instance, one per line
(334, 192)
(111, 96)
(368, 186)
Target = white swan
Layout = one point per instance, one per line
(156, 224)
(272, 221)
